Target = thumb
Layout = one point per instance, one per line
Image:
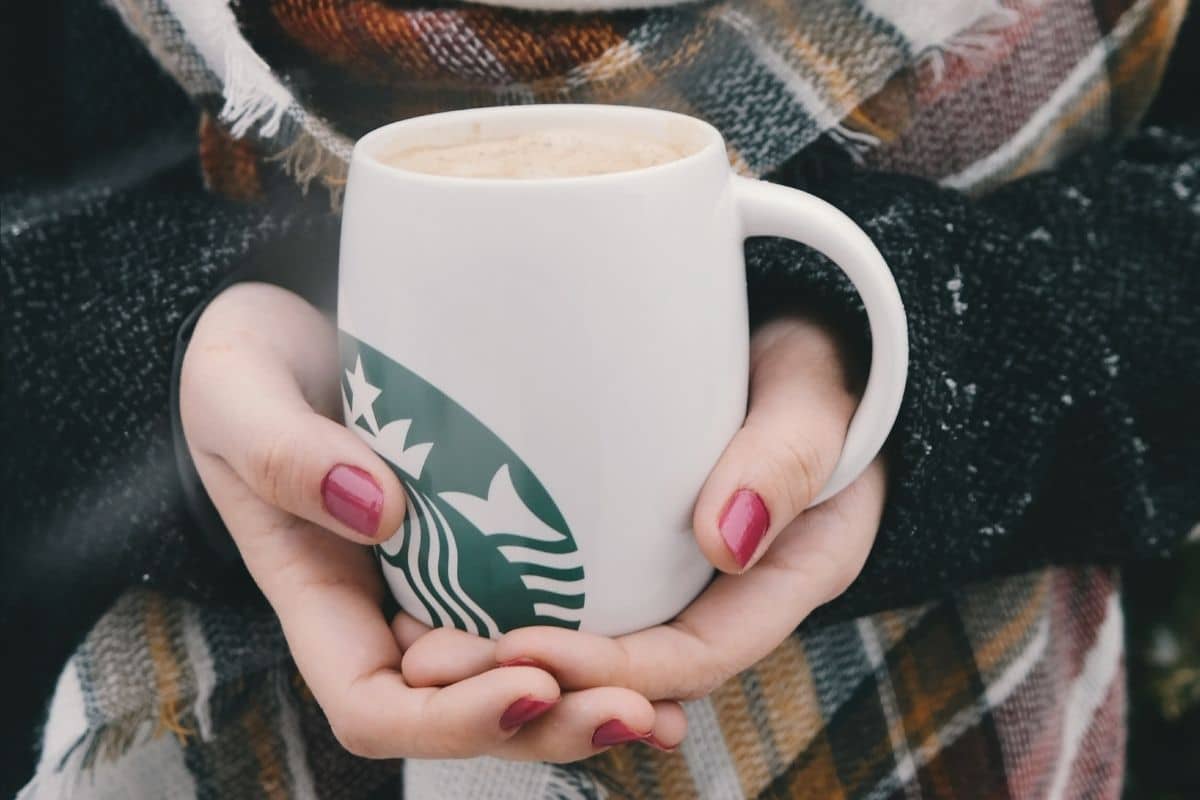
(247, 408)
(775, 466)
(316, 469)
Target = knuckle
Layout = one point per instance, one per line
(240, 300)
(435, 740)
(705, 678)
(434, 735)
(420, 663)
(835, 573)
(712, 676)
(443, 744)
(196, 376)
(352, 735)
(698, 691)
(258, 544)
(442, 639)
(272, 467)
(846, 564)
(621, 670)
(215, 330)
(204, 378)
(843, 577)
(706, 671)
(795, 462)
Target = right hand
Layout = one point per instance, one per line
(259, 395)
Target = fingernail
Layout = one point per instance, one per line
(353, 497)
(521, 662)
(743, 524)
(615, 732)
(524, 710)
(657, 745)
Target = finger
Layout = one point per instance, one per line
(443, 656)
(738, 619)
(469, 718)
(247, 405)
(582, 724)
(407, 629)
(446, 655)
(773, 468)
(670, 725)
(260, 316)
(440, 656)
(577, 659)
(326, 593)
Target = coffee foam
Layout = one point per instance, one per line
(547, 153)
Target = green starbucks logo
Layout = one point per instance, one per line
(483, 548)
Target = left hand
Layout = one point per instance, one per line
(781, 559)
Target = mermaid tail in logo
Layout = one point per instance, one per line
(483, 548)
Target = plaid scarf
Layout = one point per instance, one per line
(923, 88)
(1014, 688)
(1010, 689)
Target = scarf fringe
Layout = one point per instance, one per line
(253, 94)
(110, 742)
(307, 159)
(249, 99)
(855, 143)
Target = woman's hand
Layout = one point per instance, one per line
(301, 496)
(780, 558)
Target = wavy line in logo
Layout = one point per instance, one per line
(550, 566)
(430, 554)
(426, 549)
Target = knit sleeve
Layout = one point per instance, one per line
(93, 290)
(1053, 406)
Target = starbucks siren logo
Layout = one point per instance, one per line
(483, 547)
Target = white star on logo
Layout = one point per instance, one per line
(363, 396)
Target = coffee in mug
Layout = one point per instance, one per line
(543, 331)
(547, 153)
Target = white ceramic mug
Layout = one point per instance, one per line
(553, 366)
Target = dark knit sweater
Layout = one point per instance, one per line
(1053, 406)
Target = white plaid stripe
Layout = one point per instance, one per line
(1088, 691)
(995, 693)
(906, 766)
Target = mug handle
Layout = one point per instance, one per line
(771, 210)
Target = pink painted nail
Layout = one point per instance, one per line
(615, 732)
(743, 524)
(524, 710)
(351, 496)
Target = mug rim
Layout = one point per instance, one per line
(367, 148)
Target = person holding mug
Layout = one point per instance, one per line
(706, 571)
(583, 398)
